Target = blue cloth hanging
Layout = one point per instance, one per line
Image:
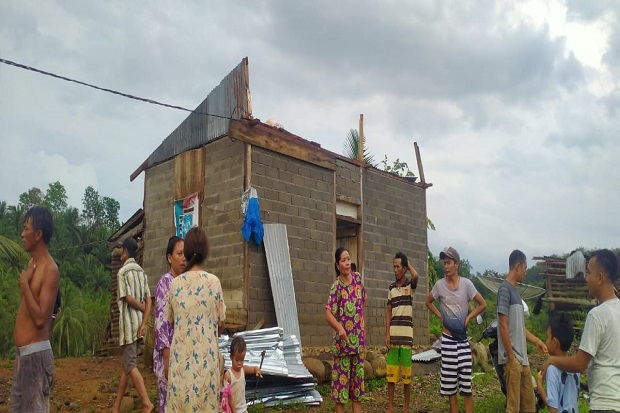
(253, 226)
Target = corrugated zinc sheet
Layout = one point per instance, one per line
(285, 378)
(230, 99)
(281, 277)
(575, 264)
(426, 356)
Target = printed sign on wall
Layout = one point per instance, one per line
(186, 212)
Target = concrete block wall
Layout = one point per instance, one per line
(159, 219)
(300, 195)
(394, 220)
(348, 180)
(222, 221)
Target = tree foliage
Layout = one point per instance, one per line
(79, 247)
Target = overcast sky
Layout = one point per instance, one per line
(515, 105)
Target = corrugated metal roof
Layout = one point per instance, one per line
(281, 277)
(230, 99)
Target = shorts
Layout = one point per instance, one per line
(456, 364)
(129, 357)
(348, 378)
(33, 378)
(398, 365)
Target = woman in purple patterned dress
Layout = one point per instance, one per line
(163, 328)
(345, 315)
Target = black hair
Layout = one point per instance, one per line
(608, 262)
(41, 219)
(172, 242)
(404, 262)
(237, 345)
(131, 245)
(561, 326)
(196, 247)
(337, 255)
(516, 257)
(353, 267)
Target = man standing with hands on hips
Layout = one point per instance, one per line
(454, 294)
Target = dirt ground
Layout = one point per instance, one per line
(85, 384)
(89, 385)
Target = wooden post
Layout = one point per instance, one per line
(360, 148)
(360, 209)
(247, 182)
(419, 159)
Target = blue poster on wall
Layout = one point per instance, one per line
(186, 212)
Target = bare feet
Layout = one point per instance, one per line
(148, 408)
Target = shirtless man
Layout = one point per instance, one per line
(33, 376)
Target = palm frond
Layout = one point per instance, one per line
(351, 148)
(12, 252)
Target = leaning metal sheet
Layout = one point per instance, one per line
(281, 277)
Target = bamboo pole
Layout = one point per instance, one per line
(360, 147)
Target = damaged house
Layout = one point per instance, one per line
(311, 201)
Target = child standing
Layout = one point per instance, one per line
(562, 392)
(345, 315)
(236, 375)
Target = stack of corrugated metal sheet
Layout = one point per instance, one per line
(285, 378)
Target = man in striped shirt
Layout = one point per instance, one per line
(134, 305)
(399, 328)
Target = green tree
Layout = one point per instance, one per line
(111, 207)
(55, 197)
(69, 334)
(351, 147)
(16, 217)
(33, 196)
(93, 212)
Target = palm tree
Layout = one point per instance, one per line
(13, 253)
(69, 333)
(16, 214)
(351, 148)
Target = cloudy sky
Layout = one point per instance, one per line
(515, 105)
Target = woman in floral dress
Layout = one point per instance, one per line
(163, 328)
(196, 309)
(345, 315)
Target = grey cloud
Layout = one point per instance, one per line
(430, 57)
(589, 10)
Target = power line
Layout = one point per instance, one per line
(151, 101)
